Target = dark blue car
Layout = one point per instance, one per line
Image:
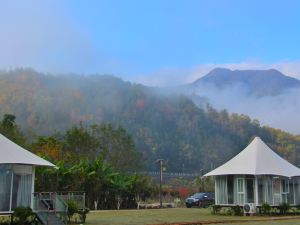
(202, 199)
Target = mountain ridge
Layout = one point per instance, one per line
(255, 82)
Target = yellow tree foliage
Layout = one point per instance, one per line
(49, 147)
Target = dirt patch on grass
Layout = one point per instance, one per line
(232, 221)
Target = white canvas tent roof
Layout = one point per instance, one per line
(257, 159)
(11, 153)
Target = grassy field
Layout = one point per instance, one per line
(193, 216)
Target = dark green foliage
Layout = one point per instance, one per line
(265, 208)
(8, 121)
(100, 182)
(23, 215)
(284, 208)
(72, 208)
(9, 129)
(237, 210)
(113, 145)
(228, 211)
(215, 209)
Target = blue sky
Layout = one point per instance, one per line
(158, 42)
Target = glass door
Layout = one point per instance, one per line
(5, 188)
(276, 191)
(240, 191)
(250, 190)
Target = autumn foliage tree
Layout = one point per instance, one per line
(49, 147)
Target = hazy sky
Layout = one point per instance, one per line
(149, 41)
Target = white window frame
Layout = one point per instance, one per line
(277, 194)
(240, 193)
(284, 194)
(285, 182)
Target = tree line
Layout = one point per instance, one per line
(94, 159)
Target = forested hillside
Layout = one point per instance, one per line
(166, 126)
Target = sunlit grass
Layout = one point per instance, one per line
(176, 215)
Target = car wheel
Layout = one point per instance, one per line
(188, 206)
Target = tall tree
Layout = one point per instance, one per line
(9, 129)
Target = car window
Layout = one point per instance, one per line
(198, 195)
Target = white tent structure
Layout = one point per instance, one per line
(257, 175)
(17, 173)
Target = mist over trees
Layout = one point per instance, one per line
(268, 95)
(88, 112)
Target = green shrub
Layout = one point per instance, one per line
(265, 208)
(215, 209)
(23, 215)
(284, 208)
(72, 208)
(229, 212)
(237, 210)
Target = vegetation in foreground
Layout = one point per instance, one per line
(101, 160)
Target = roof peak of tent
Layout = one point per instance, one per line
(257, 159)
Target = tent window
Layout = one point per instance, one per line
(5, 187)
(261, 191)
(285, 186)
(241, 185)
(230, 189)
(22, 186)
(240, 190)
(291, 193)
(297, 190)
(285, 189)
(221, 190)
(250, 190)
(276, 190)
(265, 192)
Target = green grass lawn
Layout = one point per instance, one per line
(177, 215)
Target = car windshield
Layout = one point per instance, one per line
(198, 195)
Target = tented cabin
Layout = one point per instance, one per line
(17, 167)
(255, 176)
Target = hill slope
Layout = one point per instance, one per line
(169, 126)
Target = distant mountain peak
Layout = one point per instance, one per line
(257, 82)
(220, 69)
